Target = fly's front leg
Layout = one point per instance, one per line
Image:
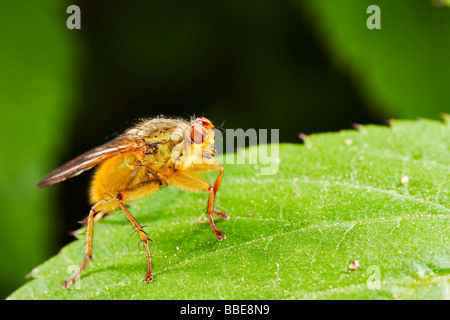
(216, 166)
(220, 235)
(211, 167)
(190, 182)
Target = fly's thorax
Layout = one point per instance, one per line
(158, 154)
(176, 142)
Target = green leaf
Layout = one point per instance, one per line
(378, 195)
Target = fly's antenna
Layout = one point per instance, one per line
(220, 128)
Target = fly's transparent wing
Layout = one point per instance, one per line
(89, 159)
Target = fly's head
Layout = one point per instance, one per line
(198, 142)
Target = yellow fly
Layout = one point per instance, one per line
(154, 153)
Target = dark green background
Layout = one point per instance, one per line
(298, 66)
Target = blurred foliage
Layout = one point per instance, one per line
(297, 65)
(441, 3)
(403, 68)
(36, 81)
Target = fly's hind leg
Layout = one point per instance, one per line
(104, 207)
(132, 194)
(99, 215)
(97, 208)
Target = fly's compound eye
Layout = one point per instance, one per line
(197, 135)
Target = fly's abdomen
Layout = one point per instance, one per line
(113, 176)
